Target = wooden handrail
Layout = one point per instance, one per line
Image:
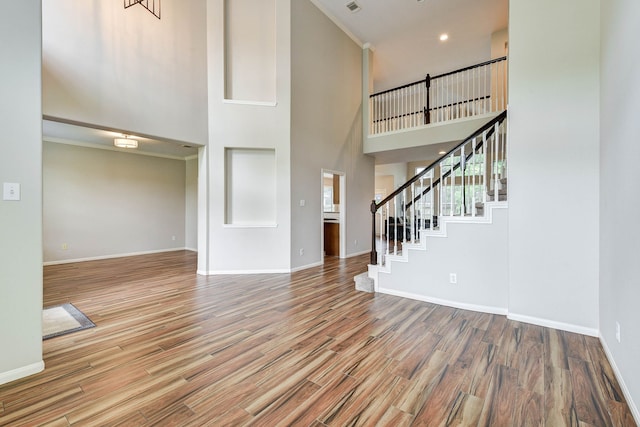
(459, 70)
(406, 185)
(470, 67)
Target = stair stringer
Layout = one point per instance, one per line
(445, 296)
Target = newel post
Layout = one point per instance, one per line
(427, 108)
(373, 260)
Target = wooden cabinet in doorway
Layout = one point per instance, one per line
(331, 238)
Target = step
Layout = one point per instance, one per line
(363, 282)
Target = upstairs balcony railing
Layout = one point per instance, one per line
(470, 91)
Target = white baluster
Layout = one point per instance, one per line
(473, 178)
(485, 180)
(432, 199)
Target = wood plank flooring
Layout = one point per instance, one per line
(305, 349)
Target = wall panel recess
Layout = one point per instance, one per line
(250, 186)
(250, 50)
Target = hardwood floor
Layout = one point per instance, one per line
(303, 349)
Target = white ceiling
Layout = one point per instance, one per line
(74, 134)
(405, 34)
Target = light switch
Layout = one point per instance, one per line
(302, 202)
(10, 191)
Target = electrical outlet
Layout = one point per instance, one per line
(453, 278)
(173, 237)
(355, 242)
(11, 191)
(64, 246)
(618, 331)
(301, 251)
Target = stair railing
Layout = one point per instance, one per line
(466, 92)
(458, 184)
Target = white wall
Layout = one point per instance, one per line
(245, 125)
(191, 204)
(326, 133)
(620, 199)
(20, 162)
(103, 203)
(126, 69)
(553, 162)
(475, 252)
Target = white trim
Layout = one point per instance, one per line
(194, 157)
(254, 103)
(625, 390)
(25, 371)
(243, 272)
(448, 303)
(553, 324)
(191, 249)
(339, 24)
(100, 257)
(304, 267)
(112, 148)
(249, 225)
(488, 116)
(358, 253)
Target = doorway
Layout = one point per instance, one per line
(333, 214)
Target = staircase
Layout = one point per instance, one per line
(441, 237)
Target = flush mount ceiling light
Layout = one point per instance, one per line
(442, 152)
(444, 37)
(353, 6)
(125, 142)
(152, 6)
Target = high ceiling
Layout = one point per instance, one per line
(405, 34)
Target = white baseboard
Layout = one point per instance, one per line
(25, 371)
(245, 272)
(191, 249)
(627, 394)
(304, 267)
(553, 324)
(448, 303)
(358, 253)
(97, 258)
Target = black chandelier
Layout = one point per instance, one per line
(152, 6)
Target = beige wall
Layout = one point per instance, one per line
(99, 203)
(191, 205)
(553, 159)
(326, 133)
(619, 197)
(20, 162)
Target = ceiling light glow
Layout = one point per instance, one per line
(444, 37)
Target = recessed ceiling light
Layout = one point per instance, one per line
(444, 37)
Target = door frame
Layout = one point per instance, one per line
(342, 214)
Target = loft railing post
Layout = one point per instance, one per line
(373, 260)
(427, 108)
